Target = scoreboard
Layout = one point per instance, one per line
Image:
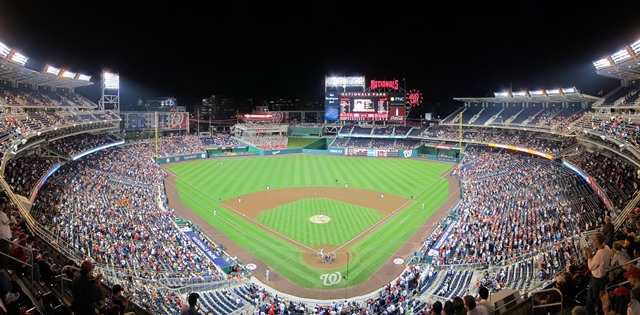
(364, 105)
(369, 106)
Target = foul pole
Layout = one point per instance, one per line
(460, 140)
(156, 117)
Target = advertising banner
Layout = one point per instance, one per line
(331, 113)
(181, 158)
(397, 114)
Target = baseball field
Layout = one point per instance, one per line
(318, 221)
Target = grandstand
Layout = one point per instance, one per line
(538, 170)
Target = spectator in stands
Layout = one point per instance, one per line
(192, 307)
(7, 291)
(448, 307)
(5, 235)
(472, 306)
(617, 301)
(578, 310)
(436, 308)
(458, 305)
(608, 230)
(48, 271)
(122, 302)
(619, 258)
(86, 290)
(22, 263)
(552, 297)
(633, 276)
(598, 264)
(483, 292)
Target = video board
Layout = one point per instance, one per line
(364, 105)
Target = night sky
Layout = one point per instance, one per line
(191, 50)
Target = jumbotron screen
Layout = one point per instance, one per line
(363, 105)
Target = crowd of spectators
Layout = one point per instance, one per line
(109, 208)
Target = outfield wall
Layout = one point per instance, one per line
(363, 152)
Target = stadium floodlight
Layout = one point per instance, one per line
(83, 77)
(552, 91)
(344, 81)
(111, 81)
(519, 93)
(620, 56)
(501, 94)
(569, 90)
(602, 63)
(18, 58)
(635, 47)
(68, 74)
(537, 93)
(51, 70)
(4, 50)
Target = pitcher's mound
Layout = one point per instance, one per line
(319, 219)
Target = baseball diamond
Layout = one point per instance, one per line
(355, 220)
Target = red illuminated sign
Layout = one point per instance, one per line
(414, 98)
(375, 84)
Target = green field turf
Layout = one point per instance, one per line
(202, 183)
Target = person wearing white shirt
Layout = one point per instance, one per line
(598, 264)
(5, 235)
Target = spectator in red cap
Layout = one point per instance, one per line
(633, 275)
(85, 289)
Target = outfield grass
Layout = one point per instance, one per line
(202, 183)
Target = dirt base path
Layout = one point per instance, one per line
(251, 205)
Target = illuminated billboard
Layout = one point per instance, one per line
(397, 114)
(331, 99)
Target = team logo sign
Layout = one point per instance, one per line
(278, 116)
(251, 267)
(329, 279)
(407, 153)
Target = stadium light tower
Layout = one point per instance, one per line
(110, 99)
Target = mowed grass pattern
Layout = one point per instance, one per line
(202, 183)
(292, 220)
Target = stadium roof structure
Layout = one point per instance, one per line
(13, 72)
(562, 95)
(13, 69)
(622, 65)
